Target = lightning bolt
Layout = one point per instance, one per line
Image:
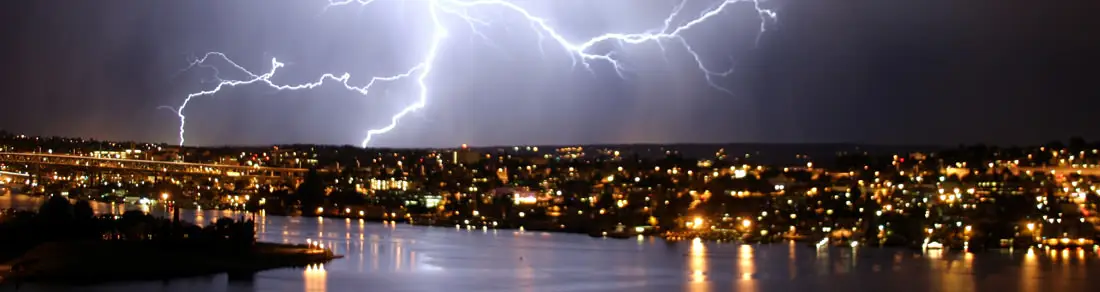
(582, 53)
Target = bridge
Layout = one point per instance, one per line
(14, 173)
(148, 166)
(1061, 170)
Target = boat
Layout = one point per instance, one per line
(618, 235)
(615, 235)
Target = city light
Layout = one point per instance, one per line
(820, 205)
(696, 223)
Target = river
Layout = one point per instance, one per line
(388, 257)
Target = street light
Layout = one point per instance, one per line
(164, 196)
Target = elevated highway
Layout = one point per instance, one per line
(1061, 170)
(148, 166)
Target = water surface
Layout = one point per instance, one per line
(388, 257)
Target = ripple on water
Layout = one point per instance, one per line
(416, 258)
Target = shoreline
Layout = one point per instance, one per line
(96, 262)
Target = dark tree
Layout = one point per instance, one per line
(677, 207)
(311, 193)
(56, 209)
(134, 224)
(82, 210)
(605, 200)
(1056, 145)
(1077, 143)
(504, 205)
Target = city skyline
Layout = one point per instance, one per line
(558, 145)
(822, 73)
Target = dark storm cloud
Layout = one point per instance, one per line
(933, 71)
(829, 71)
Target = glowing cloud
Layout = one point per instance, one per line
(581, 52)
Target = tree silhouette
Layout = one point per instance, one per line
(605, 200)
(82, 210)
(56, 209)
(1077, 143)
(1056, 145)
(311, 193)
(134, 224)
(54, 220)
(348, 198)
(677, 207)
(504, 205)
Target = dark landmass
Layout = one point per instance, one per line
(757, 153)
(89, 262)
(66, 243)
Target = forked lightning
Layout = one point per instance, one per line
(582, 53)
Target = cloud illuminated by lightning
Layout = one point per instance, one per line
(580, 52)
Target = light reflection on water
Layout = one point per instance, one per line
(397, 257)
(315, 278)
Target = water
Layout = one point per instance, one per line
(385, 257)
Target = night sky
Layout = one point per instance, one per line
(861, 71)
